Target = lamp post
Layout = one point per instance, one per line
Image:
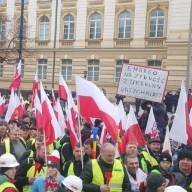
(21, 31)
(54, 45)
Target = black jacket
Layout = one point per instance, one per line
(87, 177)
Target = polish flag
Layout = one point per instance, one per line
(17, 79)
(19, 108)
(122, 116)
(38, 111)
(49, 122)
(133, 131)
(103, 138)
(63, 88)
(11, 106)
(2, 105)
(60, 116)
(93, 103)
(151, 123)
(34, 88)
(167, 144)
(179, 128)
(53, 98)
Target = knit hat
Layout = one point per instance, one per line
(153, 137)
(154, 181)
(165, 157)
(53, 160)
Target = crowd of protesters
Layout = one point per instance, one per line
(27, 164)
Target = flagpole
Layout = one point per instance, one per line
(45, 147)
(80, 140)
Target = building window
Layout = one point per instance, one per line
(95, 26)
(44, 28)
(124, 30)
(24, 28)
(68, 27)
(66, 69)
(1, 69)
(157, 18)
(2, 2)
(93, 70)
(119, 65)
(2, 30)
(42, 69)
(154, 63)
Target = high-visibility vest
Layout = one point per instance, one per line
(147, 157)
(31, 173)
(156, 171)
(7, 145)
(115, 182)
(6, 185)
(71, 169)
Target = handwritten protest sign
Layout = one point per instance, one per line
(142, 82)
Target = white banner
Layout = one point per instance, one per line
(142, 82)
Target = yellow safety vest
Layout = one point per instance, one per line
(117, 175)
(153, 162)
(6, 185)
(7, 145)
(30, 173)
(71, 169)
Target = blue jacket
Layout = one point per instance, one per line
(39, 184)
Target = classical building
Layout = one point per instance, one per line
(94, 38)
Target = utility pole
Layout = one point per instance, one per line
(21, 31)
(54, 46)
(189, 66)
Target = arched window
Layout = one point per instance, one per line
(24, 28)
(95, 26)
(44, 28)
(2, 29)
(124, 30)
(68, 27)
(157, 18)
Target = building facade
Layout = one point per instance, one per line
(94, 38)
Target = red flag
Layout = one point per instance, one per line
(17, 79)
(49, 121)
(63, 88)
(2, 105)
(93, 103)
(34, 88)
(133, 131)
(38, 111)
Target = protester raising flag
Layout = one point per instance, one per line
(93, 104)
(179, 128)
(49, 122)
(17, 79)
(133, 131)
(151, 123)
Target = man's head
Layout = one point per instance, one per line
(77, 152)
(3, 128)
(8, 164)
(154, 145)
(88, 147)
(39, 141)
(185, 161)
(131, 148)
(132, 164)
(165, 162)
(108, 153)
(15, 134)
(40, 152)
(25, 131)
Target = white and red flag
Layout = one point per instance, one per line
(2, 105)
(167, 144)
(93, 104)
(38, 111)
(63, 88)
(35, 88)
(17, 79)
(49, 122)
(179, 129)
(122, 116)
(133, 131)
(11, 106)
(151, 123)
